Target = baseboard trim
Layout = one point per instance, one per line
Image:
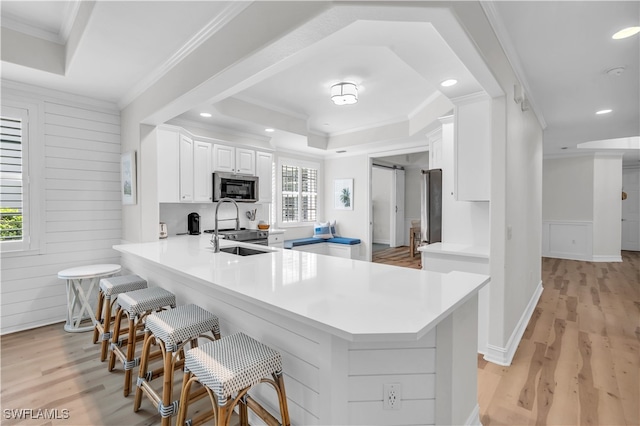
(474, 417)
(599, 258)
(504, 356)
(584, 258)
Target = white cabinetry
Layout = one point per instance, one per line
(202, 171)
(234, 160)
(186, 168)
(435, 149)
(168, 166)
(264, 164)
(472, 148)
(276, 240)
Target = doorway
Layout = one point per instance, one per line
(631, 209)
(394, 203)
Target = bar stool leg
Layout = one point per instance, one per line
(167, 387)
(106, 326)
(116, 337)
(98, 317)
(131, 353)
(143, 368)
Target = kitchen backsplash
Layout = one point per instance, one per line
(175, 215)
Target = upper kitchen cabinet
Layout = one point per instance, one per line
(202, 169)
(472, 148)
(264, 164)
(184, 168)
(234, 160)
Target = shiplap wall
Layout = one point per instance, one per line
(81, 204)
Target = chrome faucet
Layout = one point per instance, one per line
(215, 240)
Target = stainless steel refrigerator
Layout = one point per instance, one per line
(431, 216)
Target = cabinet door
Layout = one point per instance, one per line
(264, 162)
(224, 158)
(202, 171)
(168, 166)
(186, 169)
(245, 161)
(472, 148)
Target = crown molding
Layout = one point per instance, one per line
(70, 14)
(512, 55)
(232, 10)
(14, 23)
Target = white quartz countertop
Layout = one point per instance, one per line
(456, 249)
(355, 300)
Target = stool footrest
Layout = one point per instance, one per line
(261, 412)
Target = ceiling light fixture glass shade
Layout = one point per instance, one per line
(627, 32)
(344, 93)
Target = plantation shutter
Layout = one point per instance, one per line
(11, 178)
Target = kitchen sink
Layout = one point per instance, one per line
(242, 251)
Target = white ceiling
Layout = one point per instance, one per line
(560, 49)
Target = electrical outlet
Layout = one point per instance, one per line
(392, 396)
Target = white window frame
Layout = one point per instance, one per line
(278, 193)
(32, 177)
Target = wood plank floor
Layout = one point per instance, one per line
(398, 256)
(579, 360)
(578, 363)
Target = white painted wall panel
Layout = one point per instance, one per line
(81, 207)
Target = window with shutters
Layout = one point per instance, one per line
(14, 179)
(297, 192)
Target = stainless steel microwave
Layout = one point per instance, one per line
(240, 188)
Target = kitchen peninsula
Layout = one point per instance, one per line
(346, 329)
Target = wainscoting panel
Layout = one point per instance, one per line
(567, 240)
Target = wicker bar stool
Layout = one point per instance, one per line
(228, 368)
(107, 296)
(135, 306)
(171, 330)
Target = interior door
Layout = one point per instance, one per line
(631, 210)
(397, 209)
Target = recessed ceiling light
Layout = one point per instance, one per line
(269, 129)
(604, 111)
(205, 114)
(342, 151)
(627, 32)
(564, 147)
(448, 83)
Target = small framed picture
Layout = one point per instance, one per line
(128, 177)
(343, 194)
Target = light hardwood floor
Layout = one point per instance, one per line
(397, 256)
(579, 360)
(578, 363)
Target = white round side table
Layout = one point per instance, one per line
(78, 297)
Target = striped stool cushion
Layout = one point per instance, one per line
(140, 301)
(232, 363)
(181, 324)
(113, 286)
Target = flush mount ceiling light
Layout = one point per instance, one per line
(205, 114)
(603, 111)
(627, 32)
(449, 82)
(344, 93)
(269, 130)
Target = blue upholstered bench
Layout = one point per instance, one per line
(311, 240)
(336, 246)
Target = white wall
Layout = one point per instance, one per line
(607, 207)
(582, 208)
(81, 205)
(516, 195)
(567, 189)
(355, 221)
(381, 201)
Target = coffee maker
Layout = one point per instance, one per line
(193, 222)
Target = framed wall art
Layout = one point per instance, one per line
(128, 177)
